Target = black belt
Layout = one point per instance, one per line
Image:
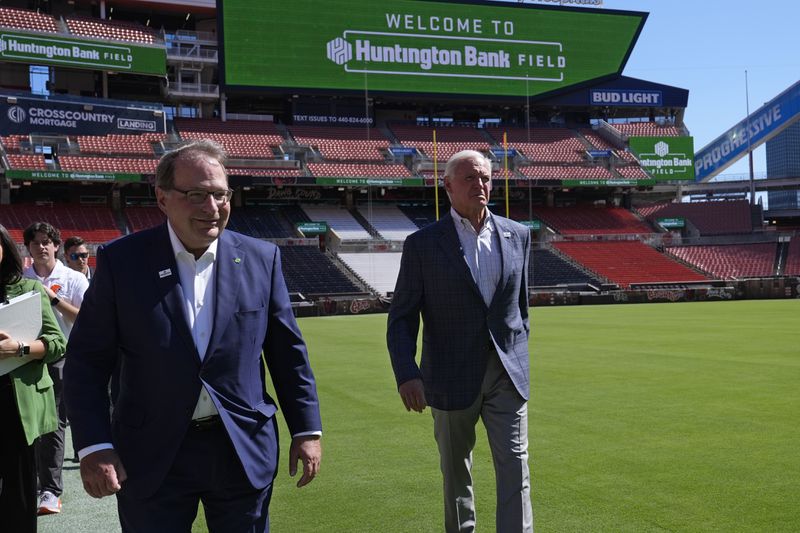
(205, 424)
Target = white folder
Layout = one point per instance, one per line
(21, 319)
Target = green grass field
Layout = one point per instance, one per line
(657, 417)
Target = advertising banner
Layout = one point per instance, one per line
(82, 53)
(534, 224)
(380, 182)
(508, 49)
(763, 124)
(61, 175)
(312, 228)
(608, 183)
(626, 97)
(34, 115)
(665, 158)
(672, 223)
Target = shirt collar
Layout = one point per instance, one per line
(178, 248)
(488, 223)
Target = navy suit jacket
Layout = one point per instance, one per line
(133, 317)
(459, 330)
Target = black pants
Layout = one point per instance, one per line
(50, 447)
(17, 467)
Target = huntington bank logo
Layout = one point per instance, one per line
(407, 54)
(340, 51)
(669, 162)
(16, 114)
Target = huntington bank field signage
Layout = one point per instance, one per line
(82, 53)
(418, 46)
(665, 158)
(61, 175)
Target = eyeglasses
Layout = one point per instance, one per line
(198, 196)
(75, 256)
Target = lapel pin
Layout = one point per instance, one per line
(507, 234)
(237, 260)
(164, 273)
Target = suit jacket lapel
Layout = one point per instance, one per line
(451, 245)
(507, 238)
(229, 265)
(168, 282)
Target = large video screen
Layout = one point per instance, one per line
(421, 46)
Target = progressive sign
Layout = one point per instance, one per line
(422, 46)
(763, 124)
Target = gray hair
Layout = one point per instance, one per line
(165, 171)
(465, 155)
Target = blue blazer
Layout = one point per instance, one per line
(132, 317)
(459, 330)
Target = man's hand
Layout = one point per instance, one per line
(308, 449)
(102, 473)
(413, 394)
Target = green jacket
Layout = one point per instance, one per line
(33, 386)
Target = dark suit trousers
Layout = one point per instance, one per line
(50, 447)
(206, 469)
(17, 467)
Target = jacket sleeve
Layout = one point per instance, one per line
(404, 315)
(287, 358)
(54, 340)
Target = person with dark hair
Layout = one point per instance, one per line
(65, 289)
(76, 255)
(27, 403)
(193, 316)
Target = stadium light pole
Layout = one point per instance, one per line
(528, 129)
(749, 149)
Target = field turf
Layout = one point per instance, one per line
(656, 417)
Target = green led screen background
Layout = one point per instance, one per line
(480, 49)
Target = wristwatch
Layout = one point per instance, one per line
(54, 301)
(23, 349)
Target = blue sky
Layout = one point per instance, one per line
(705, 46)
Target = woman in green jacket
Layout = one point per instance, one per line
(27, 406)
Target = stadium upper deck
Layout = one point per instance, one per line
(352, 128)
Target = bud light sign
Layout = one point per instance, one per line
(626, 97)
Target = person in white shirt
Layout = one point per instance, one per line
(65, 288)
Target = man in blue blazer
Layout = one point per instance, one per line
(185, 316)
(466, 276)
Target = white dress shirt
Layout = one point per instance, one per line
(199, 304)
(481, 251)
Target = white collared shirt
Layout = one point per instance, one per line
(69, 285)
(199, 303)
(481, 251)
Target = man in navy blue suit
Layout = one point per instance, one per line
(466, 276)
(189, 315)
